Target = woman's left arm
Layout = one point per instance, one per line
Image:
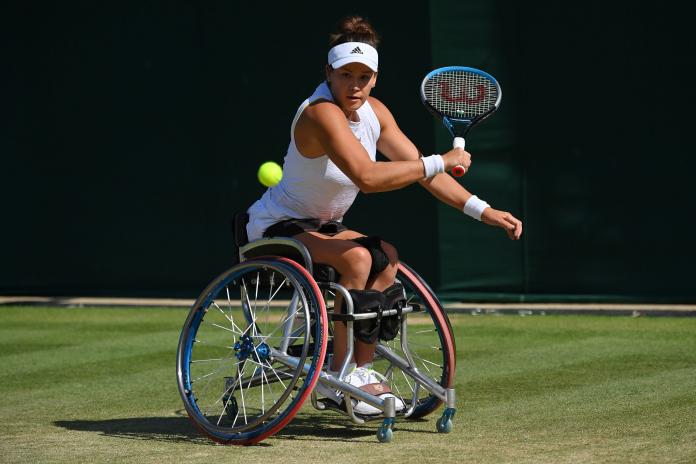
(396, 146)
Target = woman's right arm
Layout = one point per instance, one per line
(326, 123)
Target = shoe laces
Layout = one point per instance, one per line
(375, 376)
(358, 377)
(364, 375)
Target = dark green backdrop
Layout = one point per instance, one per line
(592, 146)
(132, 131)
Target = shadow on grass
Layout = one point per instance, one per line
(335, 427)
(328, 427)
(169, 429)
(179, 429)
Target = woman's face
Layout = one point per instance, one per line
(351, 85)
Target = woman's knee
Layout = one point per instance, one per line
(355, 261)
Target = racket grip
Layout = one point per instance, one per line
(458, 142)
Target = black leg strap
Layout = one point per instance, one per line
(367, 301)
(394, 299)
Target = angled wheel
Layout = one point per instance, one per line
(430, 343)
(251, 350)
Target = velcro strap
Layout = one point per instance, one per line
(376, 389)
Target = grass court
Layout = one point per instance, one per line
(98, 385)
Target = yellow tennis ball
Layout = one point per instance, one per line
(270, 173)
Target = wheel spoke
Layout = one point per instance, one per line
(232, 387)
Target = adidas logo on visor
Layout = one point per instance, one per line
(353, 52)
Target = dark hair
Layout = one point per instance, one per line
(353, 29)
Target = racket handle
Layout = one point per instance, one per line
(458, 142)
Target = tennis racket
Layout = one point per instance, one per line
(461, 97)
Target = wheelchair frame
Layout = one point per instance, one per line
(301, 350)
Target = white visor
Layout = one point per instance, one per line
(353, 52)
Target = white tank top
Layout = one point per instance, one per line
(313, 187)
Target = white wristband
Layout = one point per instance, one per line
(474, 207)
(433, 164)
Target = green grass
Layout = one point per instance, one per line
(98, 385)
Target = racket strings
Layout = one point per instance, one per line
(461, 94)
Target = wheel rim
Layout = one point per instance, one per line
(430, 343)
(234, 378)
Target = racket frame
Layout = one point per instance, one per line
(459, 127)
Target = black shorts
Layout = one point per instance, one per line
(292, 227)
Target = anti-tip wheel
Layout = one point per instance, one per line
(444, 425)
(384, 434)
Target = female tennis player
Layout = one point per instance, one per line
(334, 138)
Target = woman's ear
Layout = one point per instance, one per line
(328, 71)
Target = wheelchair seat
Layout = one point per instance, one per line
(279, 246)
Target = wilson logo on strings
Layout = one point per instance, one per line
(446, 94)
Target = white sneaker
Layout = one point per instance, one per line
(360, 377)
(365, 375)
(376, 377)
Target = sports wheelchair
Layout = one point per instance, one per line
(255, 343)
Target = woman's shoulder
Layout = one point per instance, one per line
(383, 114)
(376, 104)
(322, 111)
(321, 120)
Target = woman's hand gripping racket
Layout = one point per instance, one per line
(461, 97)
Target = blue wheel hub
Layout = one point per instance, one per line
(263, 351)
(244, 347)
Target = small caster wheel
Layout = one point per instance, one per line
(444, 425)
(384, 434)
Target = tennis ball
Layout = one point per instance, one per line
(270, 173)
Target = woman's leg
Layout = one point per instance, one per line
(365, 352)
(352, 261)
